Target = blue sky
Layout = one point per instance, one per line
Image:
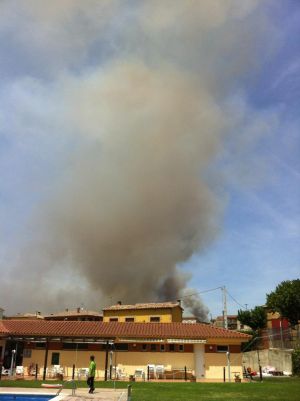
(73, 110)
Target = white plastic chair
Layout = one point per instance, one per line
(83, 373)
(120, 373)
(139, 374)
(20, 370)
(151, 370)
(159, 371)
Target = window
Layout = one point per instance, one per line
(121, 347)
(113, 319)
(222, 348)
(144, 347)
(172, 347)
(26, 353)
(129, 319)
(181, 347)
(75, 346)
(55, 358)
(153, 347)
(162, 348)
(154, 319)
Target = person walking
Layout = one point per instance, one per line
(91, 377)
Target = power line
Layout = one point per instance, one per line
(243, 307)
(214, 289)
(201, 292)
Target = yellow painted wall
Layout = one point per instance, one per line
(129, 361)
(140, 360)
(81, 359)
(215, 362)
(167, 315)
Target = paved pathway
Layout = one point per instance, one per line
(100, 394)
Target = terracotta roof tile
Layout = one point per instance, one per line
(115, 329)
(3, 329)
(154, 305)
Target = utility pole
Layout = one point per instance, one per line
(225, 320)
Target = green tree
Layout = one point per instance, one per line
(286, 300)
(255, 318)
(296, 362)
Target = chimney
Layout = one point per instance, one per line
(179, 302)
(119, 302)
(78, 310)
(1, 313)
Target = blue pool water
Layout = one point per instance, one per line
(25, 397)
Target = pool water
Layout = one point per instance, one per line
(25, 397)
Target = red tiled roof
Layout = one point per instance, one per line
(153, 305)
(48, 328)
(3, 329)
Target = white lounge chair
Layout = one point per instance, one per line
(5, 372)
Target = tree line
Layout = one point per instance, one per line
(285, 299)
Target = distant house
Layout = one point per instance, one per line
(278, 333)
(232, 322)
(25, 316)
(80, 314)
(190, 319)
(160, 312)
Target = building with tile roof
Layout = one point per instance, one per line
(122, 347)
(75, 314)
(159, 312)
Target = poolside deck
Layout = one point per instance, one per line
(100, 394)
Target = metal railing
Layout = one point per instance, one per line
(73, 386)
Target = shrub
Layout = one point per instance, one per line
(296, 362)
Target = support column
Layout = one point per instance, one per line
(106, 361)
(46, 359)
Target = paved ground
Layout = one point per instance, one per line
(66, 394)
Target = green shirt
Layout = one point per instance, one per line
(92, 368)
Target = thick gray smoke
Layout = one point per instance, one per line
(133, 198)
(134, 202)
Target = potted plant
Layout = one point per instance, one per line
(237, 378)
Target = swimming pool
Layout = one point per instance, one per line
(25, 397)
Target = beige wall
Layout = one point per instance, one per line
(129, 361)
(280, 359)
(140, 360)
(215, 363)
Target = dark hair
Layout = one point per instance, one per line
(92, 357)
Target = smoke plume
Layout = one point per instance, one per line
(132, 197)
